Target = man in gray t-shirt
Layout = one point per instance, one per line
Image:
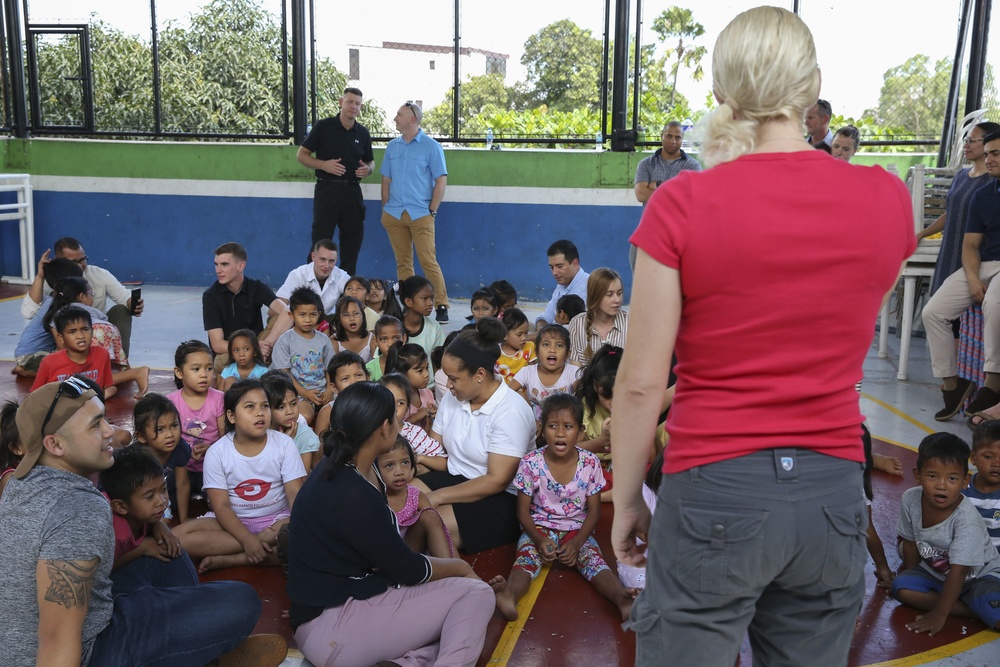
(57, 541)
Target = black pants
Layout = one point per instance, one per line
(339, 203)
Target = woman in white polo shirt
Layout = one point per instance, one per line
(486, 428)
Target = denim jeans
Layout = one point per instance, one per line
(164, 617)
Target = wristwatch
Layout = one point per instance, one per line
(434, 214)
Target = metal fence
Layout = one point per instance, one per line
(523, 73)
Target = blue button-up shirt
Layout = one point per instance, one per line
(413, 166)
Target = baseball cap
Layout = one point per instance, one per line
(44, 412)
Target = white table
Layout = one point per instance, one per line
(919, 265)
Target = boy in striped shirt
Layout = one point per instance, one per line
(984, 491)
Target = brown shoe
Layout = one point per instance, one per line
(954, 398)
(257, 651)
(985, 399)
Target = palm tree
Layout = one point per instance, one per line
(678, 22)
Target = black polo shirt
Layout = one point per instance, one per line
(329, 140)
(221, 309)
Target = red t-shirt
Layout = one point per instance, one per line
(784, 259)
(58, 366)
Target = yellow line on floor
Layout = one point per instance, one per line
(899, 413)
(505, 647)
(893, 442)
(946, 651)
(12, 298)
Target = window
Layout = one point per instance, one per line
(355, 64)
(432, 64)
(496, 65)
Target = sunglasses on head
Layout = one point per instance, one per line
(73, 388)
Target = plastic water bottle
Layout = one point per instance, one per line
(489, 138)
(599, 140)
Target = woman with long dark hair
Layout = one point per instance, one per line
(359, 594)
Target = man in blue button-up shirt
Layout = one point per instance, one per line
(414, 176)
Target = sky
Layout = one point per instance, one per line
(856, 40)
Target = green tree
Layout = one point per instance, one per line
(563, 64)
(678, 23)
(913, 97)
(481, 96)
(222, 74)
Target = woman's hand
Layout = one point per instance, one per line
(629, 523)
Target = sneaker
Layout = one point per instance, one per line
(256, 651)
(442, 315)
(954, 398)
(985, 399)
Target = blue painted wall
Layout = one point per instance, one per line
(169, 239)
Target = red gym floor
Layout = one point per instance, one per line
(565, 622)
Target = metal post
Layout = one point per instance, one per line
(619, 75)
(977, 56)
(604, 67)
(299, 116)
(155, 50)
(455, 107)
(636, 70)
(15, 50)
(951, 107)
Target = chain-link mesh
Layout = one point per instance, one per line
(527, 73)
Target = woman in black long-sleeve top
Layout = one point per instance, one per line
(359, 594)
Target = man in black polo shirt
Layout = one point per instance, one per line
(344, 156)
(235, 302)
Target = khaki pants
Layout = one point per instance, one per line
(405, 234)
(948, 304)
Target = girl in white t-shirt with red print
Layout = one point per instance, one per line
(251, 477)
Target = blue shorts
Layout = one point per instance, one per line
(981, 595)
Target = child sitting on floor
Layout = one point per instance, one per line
(388, 330)
(440, 378)
(251, 477)
(345, 369)
(247, 360)
(285, 417)
(429, 452)
(72, 326)
(411, 361)
(567, 307)
(359, 287)
(950, 566)
(505, 294)
(482, 304)
(417, 296)
(552, 374)
(138, 495)
(198, 403)
(984, 491)
(420, 525)
(304, 353)
(516, 351)
(883, 573)
(157, 426)
(350, 331)
(11, 451)
(559, 507)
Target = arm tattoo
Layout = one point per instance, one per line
(70, 581)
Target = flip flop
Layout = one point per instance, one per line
(983, 417)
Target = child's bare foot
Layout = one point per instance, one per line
(889, 464)
(628, 597)
(23, 372)
(209, 563)
(142, 381)
(506, 604)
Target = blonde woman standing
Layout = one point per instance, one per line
(768, 286)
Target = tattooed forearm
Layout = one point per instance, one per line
(70, 581)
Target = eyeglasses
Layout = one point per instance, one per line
(82, 260)
(969, 142)
(73, 388)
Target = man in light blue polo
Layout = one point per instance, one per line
(414, 176)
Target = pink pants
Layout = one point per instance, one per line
(438, 623)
